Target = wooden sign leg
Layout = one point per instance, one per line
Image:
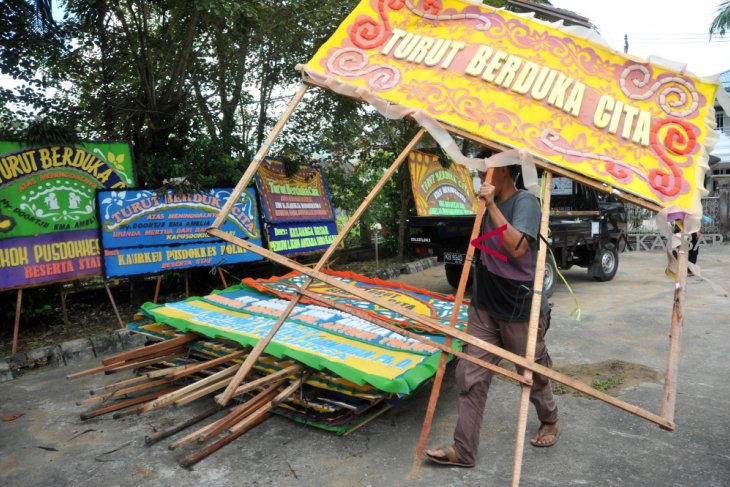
(223, 278)
(17, 321)
(114, 304)
(532, 334)
(187, 285)
(223, 398)
(438, 379)
(669, 395)
(64, 310)
(158, 284)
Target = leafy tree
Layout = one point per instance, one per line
(721, 24)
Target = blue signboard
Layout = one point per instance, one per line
(146, 232)
(295, 238)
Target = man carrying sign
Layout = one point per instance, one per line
(499, 314)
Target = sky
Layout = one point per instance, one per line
(671, 29)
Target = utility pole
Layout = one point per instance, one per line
(626, 43)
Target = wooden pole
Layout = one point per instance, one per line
(428, 323)
(64, 310)
(161, 435)
(267, 379)
(169, 398)
(123, 391)
(213, 447)
(436, 387)
(282, 396)
(264, 342)
(237, 414)
(114, 304)
(532, 332)
(158, 284)
(16, 327)
(669, 394)
(260, 155)
(187, 284)
(125, 404)
(151, 349)
(223, 278)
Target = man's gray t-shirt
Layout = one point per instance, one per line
(504, 288)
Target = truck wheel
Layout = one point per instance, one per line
(453, 275)
(551, 276)
(606, 263)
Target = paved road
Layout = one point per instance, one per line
(626, 319)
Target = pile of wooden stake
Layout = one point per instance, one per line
(254, 399)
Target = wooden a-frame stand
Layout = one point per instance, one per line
(526, 362)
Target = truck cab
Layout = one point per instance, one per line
(587, 229)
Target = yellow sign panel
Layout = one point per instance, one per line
(438, 190)
(521, 82)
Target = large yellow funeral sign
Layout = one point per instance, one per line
(521, 82)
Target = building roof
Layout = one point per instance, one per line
(552, 14)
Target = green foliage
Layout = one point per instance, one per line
(721, 24)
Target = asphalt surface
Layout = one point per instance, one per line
(626, 319)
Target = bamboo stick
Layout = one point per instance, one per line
(260, 155)
(150, 349)
(213, 447)
(532, 333)
(264, 342)
(125, 404)
(669, 393)
(428, 323)
(161, 435)
(438, 379)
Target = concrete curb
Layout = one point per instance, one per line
(71, 351)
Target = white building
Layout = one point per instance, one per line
(720, 156)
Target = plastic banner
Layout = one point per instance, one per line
(48, 219)
(431, 305)
(319, 337)
(559, 92)
(146, 232)
(438, 190)
(301, 197)
(297, 238)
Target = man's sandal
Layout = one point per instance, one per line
(446, 455)
(545, 431)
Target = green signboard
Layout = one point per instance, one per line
(48, 218)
